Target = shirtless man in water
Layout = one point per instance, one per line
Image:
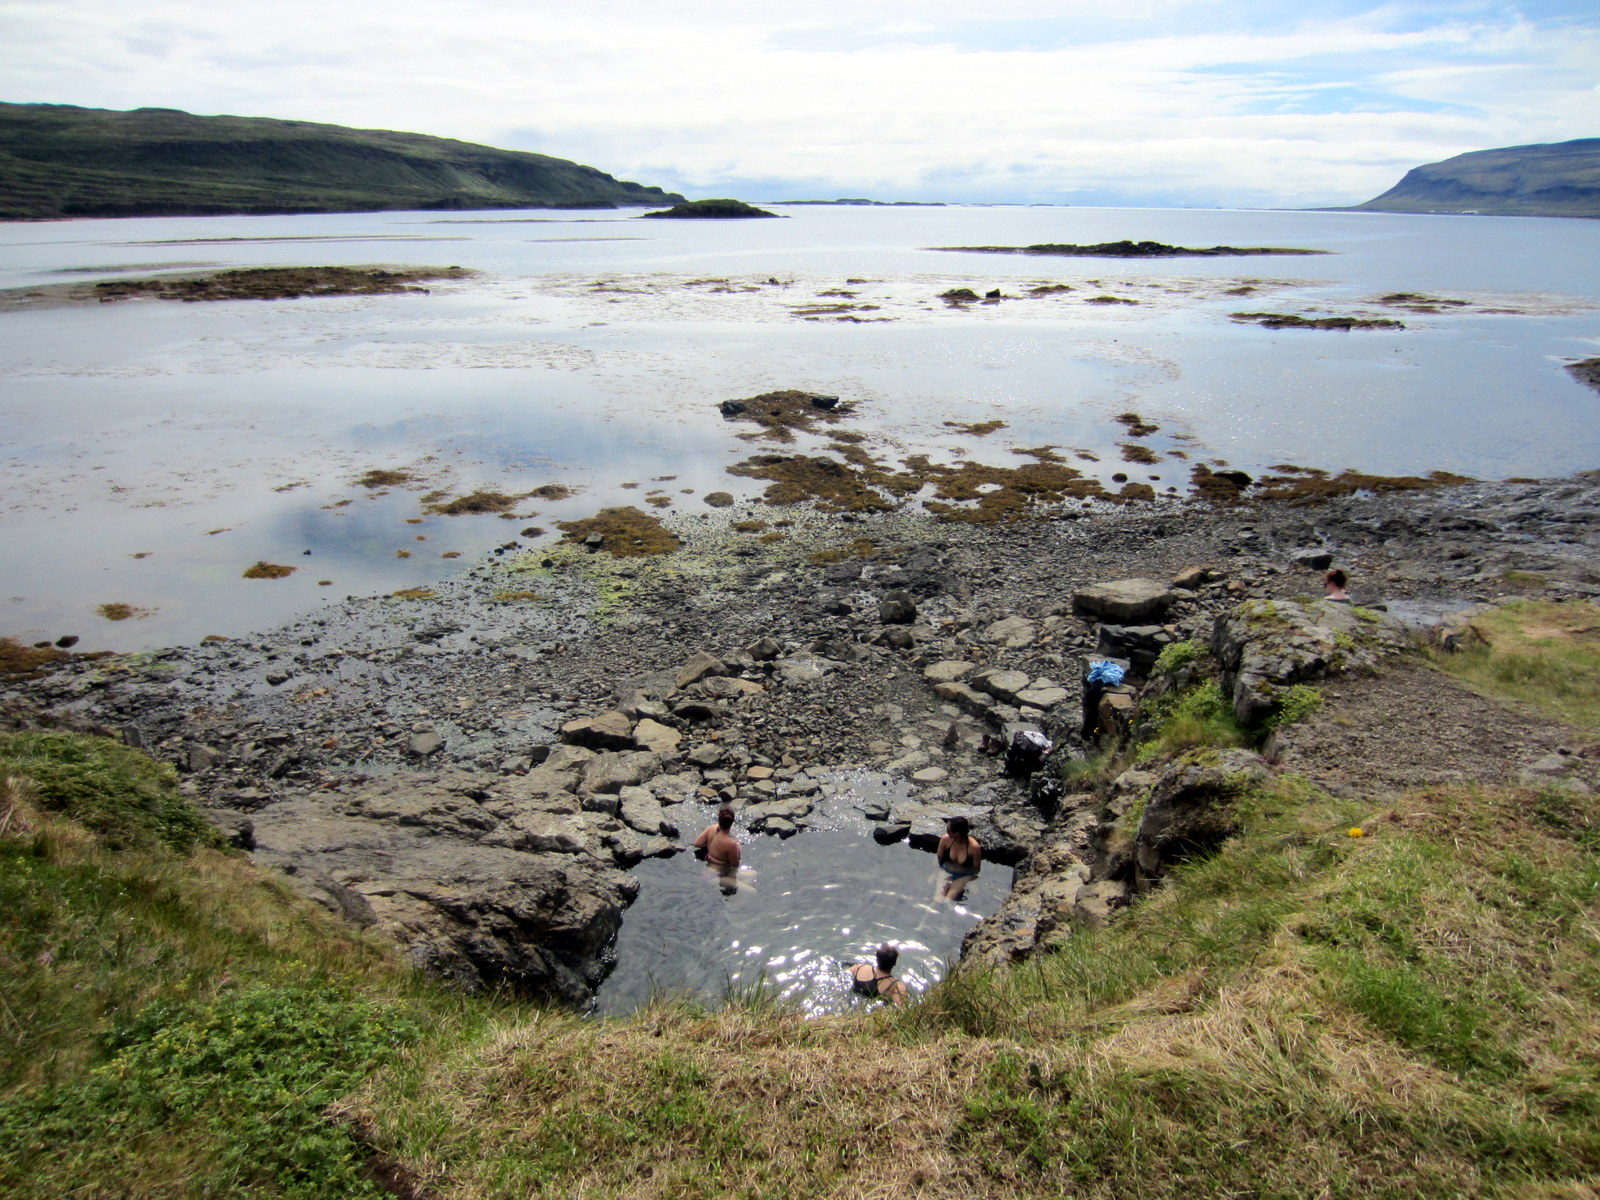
(721, 851)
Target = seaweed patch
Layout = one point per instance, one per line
(621, 532)
(266, 570)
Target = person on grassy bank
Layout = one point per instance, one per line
(960, 857)
(876, 980)
(721, 852)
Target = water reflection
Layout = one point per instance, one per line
(139, 429)
(805, 909)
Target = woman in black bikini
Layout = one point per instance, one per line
(960, 858)
(877, 982)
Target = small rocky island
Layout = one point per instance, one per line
(1129, 249)
(717, 210)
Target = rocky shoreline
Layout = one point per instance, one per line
(474, 771)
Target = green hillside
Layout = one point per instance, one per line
(1561, 179)
(58, 160)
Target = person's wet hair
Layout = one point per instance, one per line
(1337, 577)
(959, 826)
(887, 957)
(725, 817)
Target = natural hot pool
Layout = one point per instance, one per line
(830, 894)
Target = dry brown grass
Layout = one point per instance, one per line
(781, 1106)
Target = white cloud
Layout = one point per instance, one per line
(899, 99)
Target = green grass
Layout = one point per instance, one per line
(1304, 1013)
(1199, 717)
(58, 160)
(1409, 1013)
(173, 1022)
(114, 791)
(1542, 654)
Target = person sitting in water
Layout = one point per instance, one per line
(720, 850)
(960, 858)
(878, 982)
(1333, 583)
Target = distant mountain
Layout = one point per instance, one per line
(57, 160)
(1561, 179)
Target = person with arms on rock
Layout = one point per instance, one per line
(960, 857)
(877, 981)
(720, 850)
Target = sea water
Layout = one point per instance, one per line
(156, 449)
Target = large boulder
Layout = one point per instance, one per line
(640, 810)
(898, 607)
(971, 701)
(610, 773)
(1125, 601)
(949, 671)
(529, 900)
(1141, 645)
(1265, 647)
(656, 737)
(1191, 810)
(1003, 685)
(607, 731)
(700, 665)
(1014, 633)
(805, 670)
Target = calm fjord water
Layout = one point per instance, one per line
(154, 449)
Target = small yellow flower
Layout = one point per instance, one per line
(1357, 831)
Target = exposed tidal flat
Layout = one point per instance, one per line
(1378, 979)
(158, 450)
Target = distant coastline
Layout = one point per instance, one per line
(862, 203)
(1560, 179)
(59, 161)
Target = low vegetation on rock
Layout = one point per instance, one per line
(1129, 249)
(1295, 321)
(715, 210)
(623, 532)
(266, 570)
(278, 283)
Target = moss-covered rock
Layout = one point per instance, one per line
(1265, 647)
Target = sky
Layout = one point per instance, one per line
(1244, 103)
